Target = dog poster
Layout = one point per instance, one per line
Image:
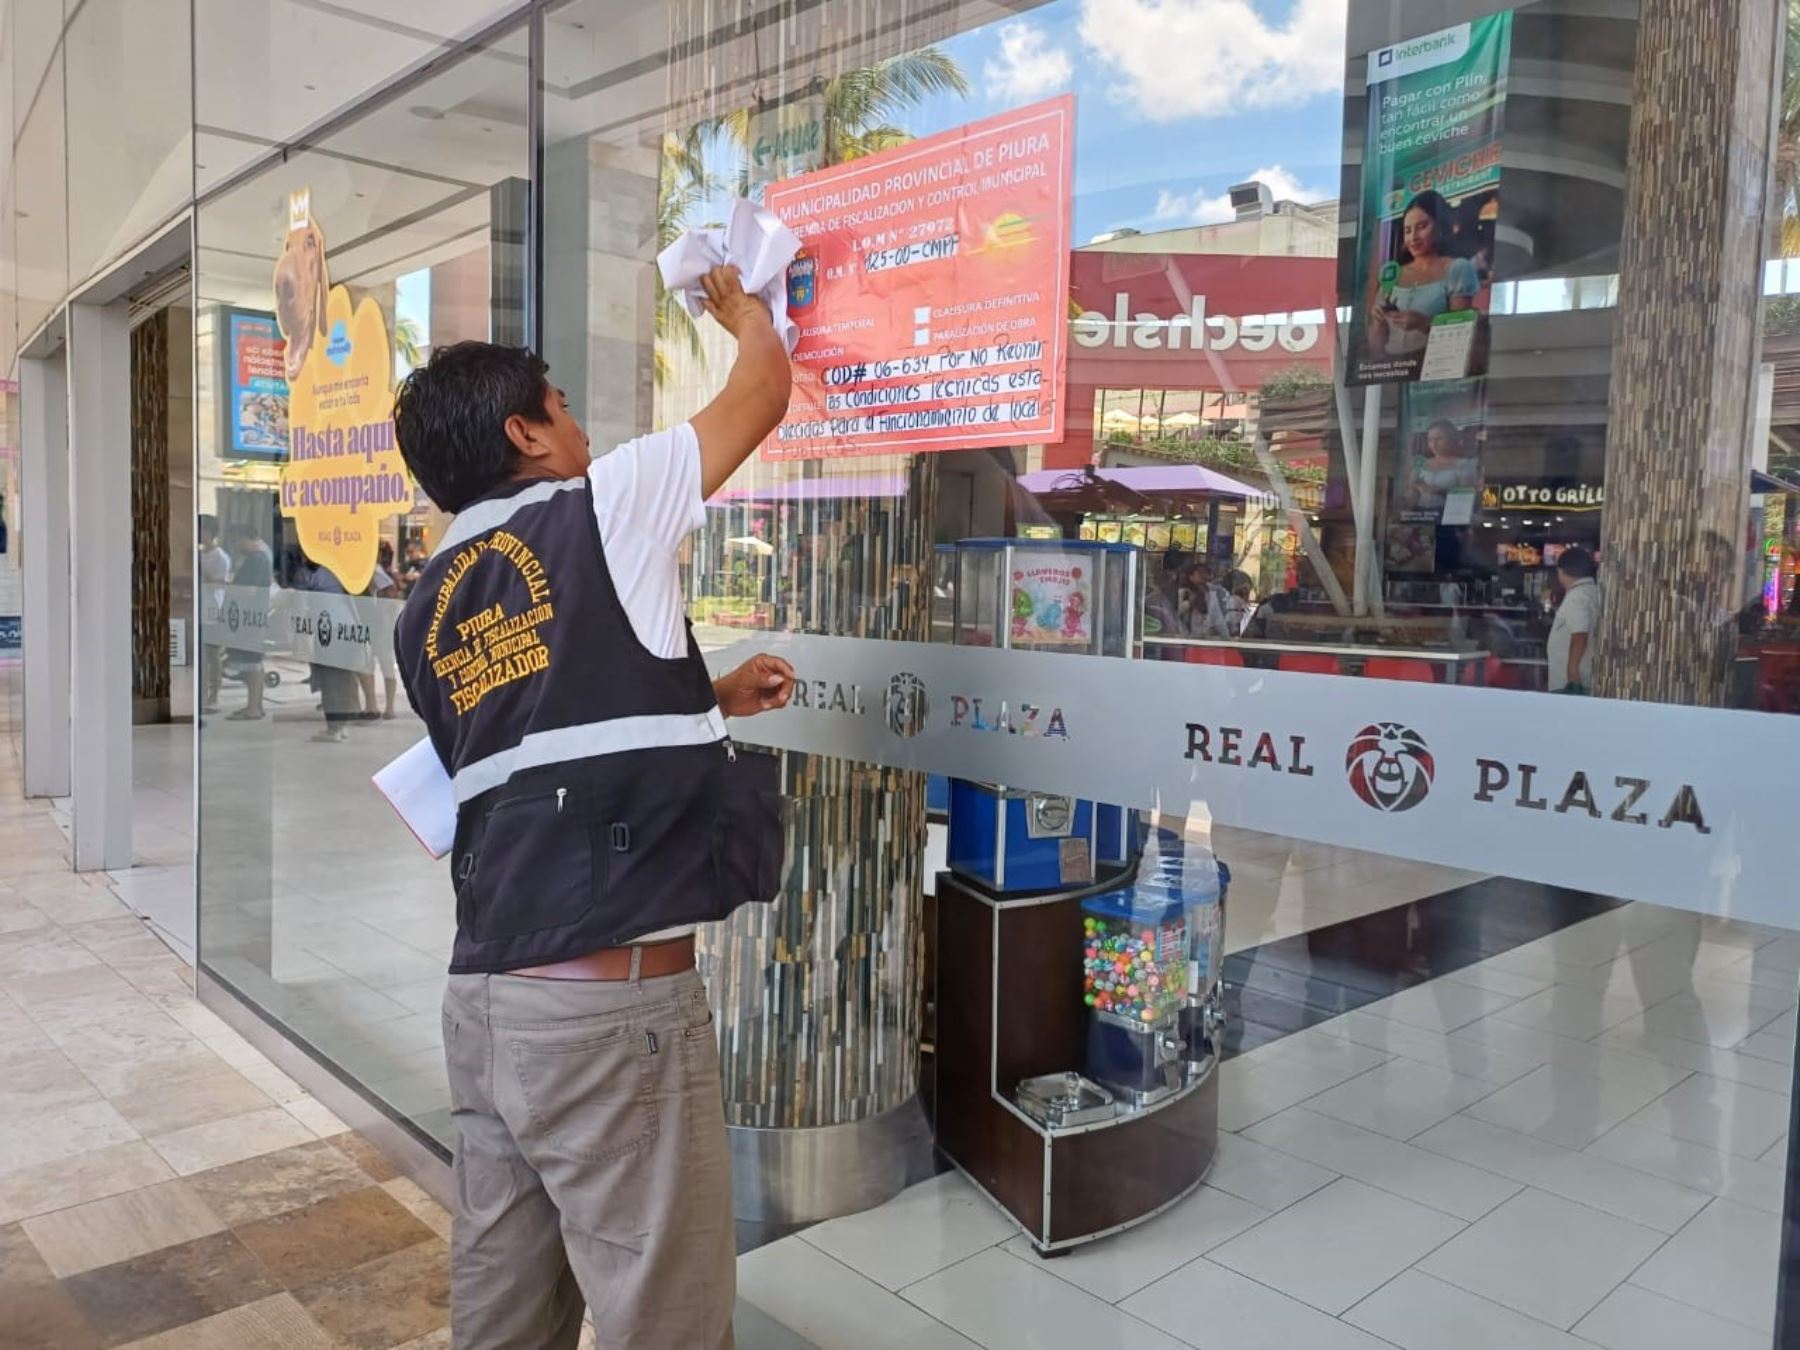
(344, 473)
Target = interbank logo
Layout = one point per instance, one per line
(1420, 53)
(1390, 766)
(906, 707)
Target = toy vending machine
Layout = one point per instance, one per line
(1078, 597)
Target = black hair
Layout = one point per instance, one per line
(208, 526)
(243, 529)
(1456, 433)
(1577, 563)
(384, 553)
(1443, 221)
(450, 417)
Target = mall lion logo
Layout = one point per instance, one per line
(905, 708)
(1390, 766)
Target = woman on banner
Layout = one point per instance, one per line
(1429, 282)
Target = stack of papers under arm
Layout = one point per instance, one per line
(417, 787)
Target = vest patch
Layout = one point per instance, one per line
(493, 648)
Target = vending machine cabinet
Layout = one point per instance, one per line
(1009, 840)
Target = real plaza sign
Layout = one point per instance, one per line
(1679, 806)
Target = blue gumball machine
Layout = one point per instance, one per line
(1071, 596)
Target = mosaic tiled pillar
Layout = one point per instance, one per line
(1678, 452)
(818, 995)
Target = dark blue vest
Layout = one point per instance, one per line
(599, 796)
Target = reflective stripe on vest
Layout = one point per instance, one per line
(491, 515)
(589, 741)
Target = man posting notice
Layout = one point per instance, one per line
(602, 812)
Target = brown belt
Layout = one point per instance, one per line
(614, 963)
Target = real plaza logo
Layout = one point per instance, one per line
(1391, 768)
(906, 706)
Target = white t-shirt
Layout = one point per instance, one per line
(1579, 612)
(647, 500)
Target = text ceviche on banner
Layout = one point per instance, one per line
(931, 291)
(1680, 806)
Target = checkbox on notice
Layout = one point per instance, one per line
(921, 336)
(922, 315)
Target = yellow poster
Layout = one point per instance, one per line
(344, 472)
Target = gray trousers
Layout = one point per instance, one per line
(591, 1165)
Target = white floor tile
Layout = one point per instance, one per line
(1693, 1166)
(1711, 1017)
(1441, 1005)
(1724, 1263)
(1718, 1113)
(918, 1233)
(1709, 1059)
(1322, 1051)
(1400, 1098)
(1613, 1188)
(1574, 1106)
(1251, 1089)
(1119, 1266)
(1564, 1011)
(1004, 1303)
(1485, 975)
(1205, 1304)
(1261, 1175)
(1417, 1312)
(1338, 1245)
(829, 1304)
(1632, 1318)
(1431, 1047)
(1776, 1154)
(1429, 1178)
(1767, 1045)
(1544, 1256)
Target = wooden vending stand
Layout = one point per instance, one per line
(1077, 1114)
(1011, 1009)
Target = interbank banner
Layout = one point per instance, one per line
(931, 291)
(1681, 806)
(1432, 156)
(344, 471)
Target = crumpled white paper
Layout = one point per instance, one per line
(756, 242)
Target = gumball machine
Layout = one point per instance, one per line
(1150, 971)
(1134, 978)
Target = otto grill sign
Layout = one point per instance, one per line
(1679, 806)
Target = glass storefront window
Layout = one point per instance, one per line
(336, 271)
(1194, 458)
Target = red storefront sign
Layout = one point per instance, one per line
(1198, 320)
(931, 291)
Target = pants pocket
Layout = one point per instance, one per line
(591, 1099)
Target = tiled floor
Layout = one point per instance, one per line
(161, 1184)
(1578, 1143)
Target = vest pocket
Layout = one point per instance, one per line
(748, 849)
(534, 868)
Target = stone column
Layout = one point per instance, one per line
(1681, 409)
